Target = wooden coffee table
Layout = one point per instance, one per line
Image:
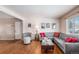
(47, 47)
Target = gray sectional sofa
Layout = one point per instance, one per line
(67, 47)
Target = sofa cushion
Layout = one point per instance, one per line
(71, 40)
(42, 34)
(56, 34)
(74, 40)
(62, 36)
(73, 36)
(49, 34)
(68, 40)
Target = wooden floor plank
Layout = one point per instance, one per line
(18, 47)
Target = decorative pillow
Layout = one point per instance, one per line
(49, 34)
(71, 40)
(74, 40)
(68, 40)
(62, 36)
(56, 34)
(42, 34)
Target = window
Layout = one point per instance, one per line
(72, 25)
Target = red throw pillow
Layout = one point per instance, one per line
(56, 34)
(71, 40)
(74, 40)
(68, 40)
(42, 34)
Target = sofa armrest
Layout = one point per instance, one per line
(71, 48)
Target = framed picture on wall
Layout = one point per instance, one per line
(42, 25)
(47, 25)
(53, 25)
(29, 25)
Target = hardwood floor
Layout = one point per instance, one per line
(57, 49)
(17, 47)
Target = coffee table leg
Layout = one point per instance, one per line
(45, 50)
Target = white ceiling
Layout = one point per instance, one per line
(4, 15)
(50, 11)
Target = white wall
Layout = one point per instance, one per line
(25, 25)
(7, 29)
(36, 22)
